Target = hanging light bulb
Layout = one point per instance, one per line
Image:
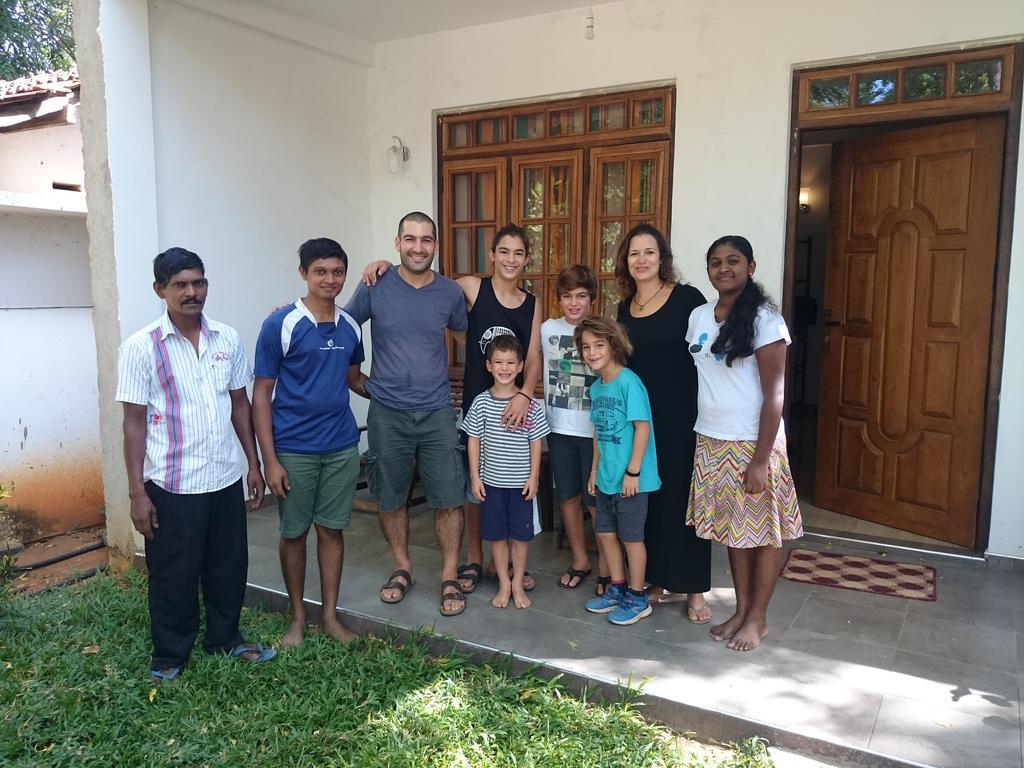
(588, 31)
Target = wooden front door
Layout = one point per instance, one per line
(908, 310)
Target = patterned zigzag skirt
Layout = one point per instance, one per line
(721, 510)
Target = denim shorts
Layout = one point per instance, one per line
(571, 457)
(619, 515)
(397, 439)
(322, 488)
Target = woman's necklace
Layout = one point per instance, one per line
(640, 305)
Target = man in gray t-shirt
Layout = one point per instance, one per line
(411, 416)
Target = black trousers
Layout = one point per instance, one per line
(201, 539)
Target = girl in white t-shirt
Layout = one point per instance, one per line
(742, 492)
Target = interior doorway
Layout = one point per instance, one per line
(893, 299)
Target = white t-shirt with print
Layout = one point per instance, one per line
(729, 398)
(567, 380)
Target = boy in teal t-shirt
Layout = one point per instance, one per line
(625, 467)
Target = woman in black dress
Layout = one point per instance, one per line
(655, 310)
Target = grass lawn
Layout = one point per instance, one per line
(73, 693)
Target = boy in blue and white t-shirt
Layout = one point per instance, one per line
(504, 468)
(305, 354)
(625, 467)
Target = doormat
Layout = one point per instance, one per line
(862, 574)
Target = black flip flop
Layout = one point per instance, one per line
(471, 572)
(602, 584)
(573, 573)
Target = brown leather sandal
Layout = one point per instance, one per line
(451, 590)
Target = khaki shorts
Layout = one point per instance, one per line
(322, 488)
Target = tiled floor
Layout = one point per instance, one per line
(938, 683)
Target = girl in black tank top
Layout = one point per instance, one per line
(487, 319)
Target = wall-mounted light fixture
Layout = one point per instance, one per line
(805, 199)
(398, 155)
(588, 30)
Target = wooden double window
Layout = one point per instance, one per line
(576, 174)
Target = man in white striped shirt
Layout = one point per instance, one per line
(182, 381)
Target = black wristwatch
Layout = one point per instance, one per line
(631, 474)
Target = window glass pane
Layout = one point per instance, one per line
(829, 93)
(876, 88)
(485, 195)
(924, 82)
(529, 126)
(484, 235)
(611, 233)
(533, 193)
(558, 247)
(642, 182)
(535, 236)
(558, 201)
(649, 112)
(977, 77)
(552, 305)
(613, 189)
(566, 122)
(610, 298)
(461, 192)
(608, 117)
(458, 134)
(463, 251)
(491, 131)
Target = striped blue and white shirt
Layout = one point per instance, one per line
(504, 453)
(190, 442)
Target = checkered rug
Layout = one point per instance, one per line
(863, 574)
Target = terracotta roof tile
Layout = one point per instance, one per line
(58, 81)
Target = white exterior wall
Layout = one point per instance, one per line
(732, 64)
(260, 144)
(49, 427)
(30, 161)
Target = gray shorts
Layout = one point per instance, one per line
(570, 458)
(622, 516)
(399, 438)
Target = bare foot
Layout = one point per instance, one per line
(520, 598)
(293, 637)
(528, 581)
(338, 631)
(501, 599)
(727, 628)
(748, 637)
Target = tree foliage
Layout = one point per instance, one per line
(35, 36)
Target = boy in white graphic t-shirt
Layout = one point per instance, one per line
(567, 381)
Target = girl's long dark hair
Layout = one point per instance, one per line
(736, 338)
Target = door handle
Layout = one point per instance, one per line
(835, 323)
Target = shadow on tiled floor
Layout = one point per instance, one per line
(938, 683)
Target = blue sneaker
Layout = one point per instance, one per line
(607, 602)
(631, 609)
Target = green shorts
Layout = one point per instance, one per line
(397, 439)
(322, 488)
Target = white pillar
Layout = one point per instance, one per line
(112, 41)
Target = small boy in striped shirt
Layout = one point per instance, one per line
(504, 467)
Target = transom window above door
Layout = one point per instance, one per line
(576, 174)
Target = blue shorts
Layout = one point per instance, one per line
(505, 514)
